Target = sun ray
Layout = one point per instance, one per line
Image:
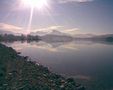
(30, 21)
(38, 4)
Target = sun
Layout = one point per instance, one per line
(35, 3)
(32, 5)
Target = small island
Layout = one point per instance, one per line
(19, 73)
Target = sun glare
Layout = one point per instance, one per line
(35, 3)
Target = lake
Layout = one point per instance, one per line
(90, 63)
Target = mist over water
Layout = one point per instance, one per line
(90, 63)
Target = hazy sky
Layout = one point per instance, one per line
(71, 16)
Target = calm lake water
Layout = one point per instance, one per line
(90, 63)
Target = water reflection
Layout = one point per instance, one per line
(89, 62)
(54, 46)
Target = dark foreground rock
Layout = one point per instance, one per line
(18, 73)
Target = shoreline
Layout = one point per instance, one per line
(19, 73)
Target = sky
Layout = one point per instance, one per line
(69, 16)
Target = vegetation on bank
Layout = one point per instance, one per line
(11, 37)
(18, 73)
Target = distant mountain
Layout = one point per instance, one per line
(94, 37)
(56, 36)
(102, 36)
(42, 33)
(106, 37)
(56, 32)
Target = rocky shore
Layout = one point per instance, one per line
(19, 73)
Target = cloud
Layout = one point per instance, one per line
(62, 29)
(49, 29)
(68, 1)
(71, 31)
(10, 28)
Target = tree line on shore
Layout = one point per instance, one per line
(11, 37)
